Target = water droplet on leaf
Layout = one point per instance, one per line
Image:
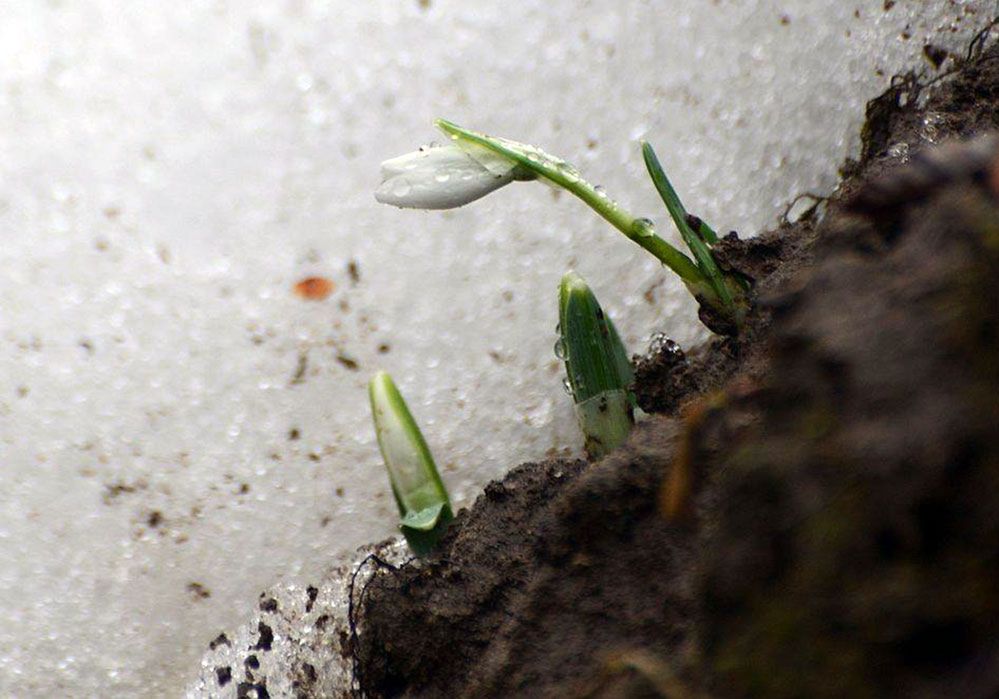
(644, 228)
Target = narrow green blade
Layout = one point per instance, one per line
(702, 254)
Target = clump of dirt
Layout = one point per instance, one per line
(852, 548)
(667, 377)
(468, 591)
(814, 511)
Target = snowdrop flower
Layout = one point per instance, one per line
(443, 177)
(473, 164)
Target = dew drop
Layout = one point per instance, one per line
(442, 176)
(566, 385)
(644, 227)
(559, 348)
(656, 342)
(932, 124)
(900, 151)
(401, 188)
(660, 342)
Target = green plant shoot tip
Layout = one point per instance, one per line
(598, 371)
(424, 506)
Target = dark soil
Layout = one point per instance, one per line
(814, 509)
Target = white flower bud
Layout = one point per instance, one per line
(442, 177)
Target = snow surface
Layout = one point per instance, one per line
(178, 429)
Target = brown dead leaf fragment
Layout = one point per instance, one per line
(314, 288)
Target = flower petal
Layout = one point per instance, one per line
(442, 177)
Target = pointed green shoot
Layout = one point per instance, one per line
(597, 367)
(694, 240)
(423, 502)
(533, 160)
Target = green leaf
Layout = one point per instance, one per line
(697, 245)
(423, 501)
(423, 542)
(606, 420)
(425, 519)
(597, 367)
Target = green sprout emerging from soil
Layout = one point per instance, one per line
(473, 164)
(597, 368)
(598, 372)
(419, 492)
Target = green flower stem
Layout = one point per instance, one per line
(539, 163)
(671, 257)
